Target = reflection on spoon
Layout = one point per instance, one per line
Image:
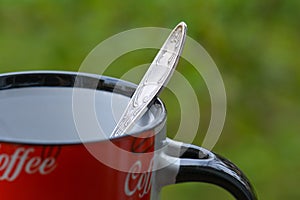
(158, 75)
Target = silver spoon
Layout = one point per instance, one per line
(158, 75)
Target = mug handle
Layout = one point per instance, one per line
(197, 164)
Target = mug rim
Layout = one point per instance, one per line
(44, 78)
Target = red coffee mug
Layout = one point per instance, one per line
(51, 149)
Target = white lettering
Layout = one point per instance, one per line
(132, 175)
(47, 166)
(32, 165)
(11, 166)
(139, 182)
(4, 159)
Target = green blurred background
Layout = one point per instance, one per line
(254, 43)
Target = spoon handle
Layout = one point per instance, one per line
(156, 77)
